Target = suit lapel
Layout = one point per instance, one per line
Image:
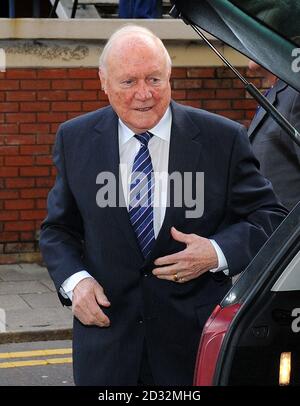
(262, 114)
(106, 143)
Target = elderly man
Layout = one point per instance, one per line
(144, 274)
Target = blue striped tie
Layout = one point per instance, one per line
(141, 195)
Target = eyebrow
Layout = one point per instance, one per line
(133, 76)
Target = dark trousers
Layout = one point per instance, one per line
(145, 375)
(140, 8)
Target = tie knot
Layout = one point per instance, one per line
(144, 138)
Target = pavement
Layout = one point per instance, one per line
(29, 306)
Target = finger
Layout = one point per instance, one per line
(101, 297)
(175, 277)
(89, 313)
(171, 278)
(99, 318)
(179, 236)
(102, 301)
(87, 309)
(178, 277)
(184, 279)
(169, 259)
(167, 270)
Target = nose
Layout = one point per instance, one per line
(143, 92)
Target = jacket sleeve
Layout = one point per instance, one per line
(62, 234)
(253, 211)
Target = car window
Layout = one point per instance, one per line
(290, 278)
(282, 16)
(266, 31)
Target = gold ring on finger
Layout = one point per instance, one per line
(175, 278)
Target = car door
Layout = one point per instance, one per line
(266, 31)
(254, 333)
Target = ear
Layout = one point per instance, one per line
(102, 78)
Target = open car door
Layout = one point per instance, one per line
(265, 31)
(252, 336)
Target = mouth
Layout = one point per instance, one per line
(144, 109)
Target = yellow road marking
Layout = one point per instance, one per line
(35, 353)
(31, 363)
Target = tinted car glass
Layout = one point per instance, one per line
(265, 31)
(282, 16)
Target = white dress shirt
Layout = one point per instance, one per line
(159, 146)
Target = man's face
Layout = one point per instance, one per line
(259, 70)
(136, 81)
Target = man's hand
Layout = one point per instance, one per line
(198, 257)
(88, 296)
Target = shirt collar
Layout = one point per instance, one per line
(161, 130)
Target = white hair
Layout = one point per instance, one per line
(129, 30)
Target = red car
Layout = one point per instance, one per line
(252, 336)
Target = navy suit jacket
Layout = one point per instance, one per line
(278, 154)
(240, 212)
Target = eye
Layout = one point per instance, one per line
(154, 80)
(127, 82)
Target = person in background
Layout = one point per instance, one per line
(278, 154)
(140, 8)
(143, 277)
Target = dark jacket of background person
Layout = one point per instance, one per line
(140, 8)
(278, 155)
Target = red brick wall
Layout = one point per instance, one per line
(33, 102)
